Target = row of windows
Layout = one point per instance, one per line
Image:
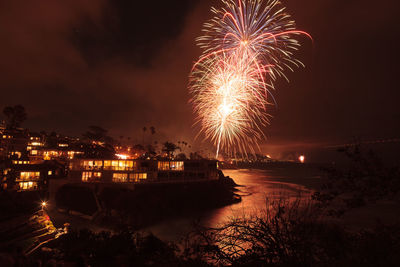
(117, 177)
(127, 165)
(20, 161)
(116, 165)
(28, 186)
(36, 144)
(133, 177)
(120, 177)
(170, 165)
(91, 176)
(29, 176)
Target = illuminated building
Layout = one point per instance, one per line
(141, 171)
(13, 143)
(25, 176)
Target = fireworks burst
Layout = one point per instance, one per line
(246, 47)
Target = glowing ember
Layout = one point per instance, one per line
(120, 156)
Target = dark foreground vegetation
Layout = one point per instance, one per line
(286, 234)
(297, 233)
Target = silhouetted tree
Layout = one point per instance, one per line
(139, 149)
(151, 151)
(14, 116)
(152, 132)
(144, 130)
(169, 148)
(195, 156)
(91, 151)
(181, 156)
(97, 133)
(52, 140)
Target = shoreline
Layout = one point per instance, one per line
(150, 205)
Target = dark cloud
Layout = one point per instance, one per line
(132, 30)
(96, 62)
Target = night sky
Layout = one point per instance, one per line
(124, 64)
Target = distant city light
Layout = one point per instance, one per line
(120, 156)
(44, 204)
(302, 158)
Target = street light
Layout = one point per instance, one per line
(43, 204)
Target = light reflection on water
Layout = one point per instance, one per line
(256, 187)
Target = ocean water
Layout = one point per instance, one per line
(257, 189)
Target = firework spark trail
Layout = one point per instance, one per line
(246, 47)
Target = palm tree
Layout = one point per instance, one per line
(144, 130)
(169, 148)
(156, 146)
(184, 143)
(152, 131)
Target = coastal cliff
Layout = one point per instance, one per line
(147, 204)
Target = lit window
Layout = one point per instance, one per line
(176, 165)
(98, 163)
(46, 156)
(120, 177)
(86, 176)
(163, 165)
(121, 165)
(107, 164)
(29, 176)
(36, 144)
(34, 152)
(88, 164)
(27, 185)
(170, 165)
(71, 154)
(114, 164)
(136, 177)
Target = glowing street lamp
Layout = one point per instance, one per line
(43, 204)
(302, 158)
